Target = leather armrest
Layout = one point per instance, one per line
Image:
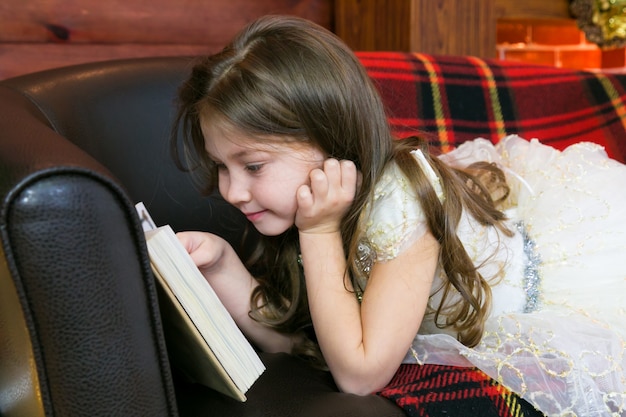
(78, 262)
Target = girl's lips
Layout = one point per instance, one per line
(255, 216)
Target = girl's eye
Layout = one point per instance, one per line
(254, 167)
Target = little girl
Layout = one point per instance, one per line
(505, 257)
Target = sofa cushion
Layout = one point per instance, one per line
(289, 387)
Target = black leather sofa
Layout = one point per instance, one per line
(80, 329)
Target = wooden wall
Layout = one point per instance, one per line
(40, 34)
(430, 26)
(466, 27)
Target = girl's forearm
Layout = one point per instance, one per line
(234, 284)
(336, 315)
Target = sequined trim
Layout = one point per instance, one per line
(364, 262)
(365, 257)
(532, 280)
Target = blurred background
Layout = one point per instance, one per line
(586, 34)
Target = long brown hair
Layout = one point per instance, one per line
(288, 77)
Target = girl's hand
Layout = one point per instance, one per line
(322, 204)
(206, 249)
(233, 284)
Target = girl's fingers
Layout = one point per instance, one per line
(323, 202)
(304, 197)
(319, 183)
(335, 182)
(332, 169)
(349, 177)
(204, 248)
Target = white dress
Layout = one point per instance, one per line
(556, 334)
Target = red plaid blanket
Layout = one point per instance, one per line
(451, 99)
(434, 390)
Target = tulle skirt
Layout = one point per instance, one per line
(567, 357)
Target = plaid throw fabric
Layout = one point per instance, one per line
(451, 99)
(435, 390)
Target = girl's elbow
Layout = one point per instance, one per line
(363, 376)
(360, 385)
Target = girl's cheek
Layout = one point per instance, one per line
(222, 186)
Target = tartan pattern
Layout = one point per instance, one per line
(451, 99)
(437, 390)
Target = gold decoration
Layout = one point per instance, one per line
(603, 21)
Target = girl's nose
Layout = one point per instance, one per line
(235, 191)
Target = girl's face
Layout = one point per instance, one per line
(261, 176)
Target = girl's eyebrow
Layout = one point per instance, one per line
(240, 154)
(243, 153)
(236, 155)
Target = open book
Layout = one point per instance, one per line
(202, 338)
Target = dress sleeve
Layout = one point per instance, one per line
(394, 219)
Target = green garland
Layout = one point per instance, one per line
(603, 21)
